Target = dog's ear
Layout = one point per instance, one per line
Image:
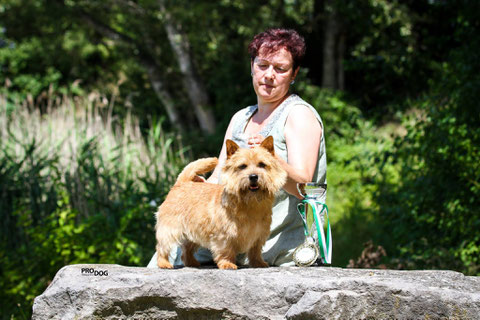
(268, 144)
(232, 147)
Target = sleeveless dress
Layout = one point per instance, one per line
(286, 229)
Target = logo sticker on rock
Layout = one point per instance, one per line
(93, 272)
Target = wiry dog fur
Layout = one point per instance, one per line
(228, 219)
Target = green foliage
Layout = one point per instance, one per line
(86, 194)
(101, 42)
(46, 51)
(432, 211)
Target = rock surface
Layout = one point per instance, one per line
(117, 292)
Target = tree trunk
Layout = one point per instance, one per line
(328, 75)
(162, 94)
(191, 80)
(339, 59)
(148, 63)
(333, 50)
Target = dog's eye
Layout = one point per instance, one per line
(261, 165)
(243, 166)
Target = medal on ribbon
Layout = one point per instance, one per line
(314, 213)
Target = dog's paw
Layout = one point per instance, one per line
(258, 264)
(227, 265)
(192, 263)
(164, 264)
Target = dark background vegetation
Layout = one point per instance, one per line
(103, 102)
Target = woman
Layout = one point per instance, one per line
(297, 130)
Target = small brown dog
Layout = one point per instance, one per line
(228, 219)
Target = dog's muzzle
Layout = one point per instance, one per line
(253, 178)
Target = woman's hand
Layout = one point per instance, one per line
(255, 140)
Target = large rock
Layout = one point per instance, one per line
(117, 292)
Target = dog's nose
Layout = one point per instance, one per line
(253, 178)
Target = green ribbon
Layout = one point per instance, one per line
(326, 242)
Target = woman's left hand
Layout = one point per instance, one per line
(255, 140)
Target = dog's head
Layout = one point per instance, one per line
(253, 173)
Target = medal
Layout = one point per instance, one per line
(306, 253)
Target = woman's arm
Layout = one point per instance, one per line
(302, 134)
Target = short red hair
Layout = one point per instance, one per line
(273, 40)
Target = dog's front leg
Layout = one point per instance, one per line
(225, 259)
(255, 259)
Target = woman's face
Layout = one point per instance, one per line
(272, 75)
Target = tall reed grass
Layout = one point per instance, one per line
(74, 131)
(78, 184)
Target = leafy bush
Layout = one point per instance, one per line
(77, 187)
(432, 213)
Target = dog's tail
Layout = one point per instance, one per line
(195, 168)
